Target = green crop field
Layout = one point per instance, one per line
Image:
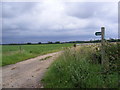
(12, 54)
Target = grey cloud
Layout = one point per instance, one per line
(36, 39)
(14, 9)
(102, 10)
(81, 10)
(57, 21)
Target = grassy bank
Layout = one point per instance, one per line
(14, 53)
(81, 68)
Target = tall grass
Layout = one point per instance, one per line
(14, 53)
(81, 68)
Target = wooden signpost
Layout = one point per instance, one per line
(102, 33)
(103, 45)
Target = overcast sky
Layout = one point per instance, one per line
(57, 21)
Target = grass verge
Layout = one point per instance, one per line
(81, 68)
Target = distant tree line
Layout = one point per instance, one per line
(58, 42)
(95, 41)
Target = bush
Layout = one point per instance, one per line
(112, 55)
(57, 42)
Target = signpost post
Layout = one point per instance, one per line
(102, 33)
(103, 46)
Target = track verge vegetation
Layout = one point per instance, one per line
(81, 67)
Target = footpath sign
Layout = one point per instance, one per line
(97, 33)
(102, 33)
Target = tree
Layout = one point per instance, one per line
(28, 43)
(57, 42)
(50, 42)
(39, 42)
